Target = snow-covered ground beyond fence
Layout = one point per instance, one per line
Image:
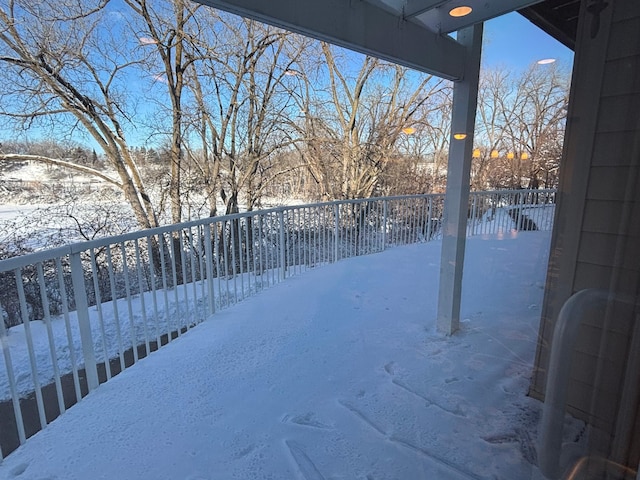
(337, 373)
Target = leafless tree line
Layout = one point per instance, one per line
(241, 111)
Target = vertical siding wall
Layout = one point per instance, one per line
(596, 243)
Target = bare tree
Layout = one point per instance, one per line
(242, 101)
(171, 29)
(357, 123)
(534, 123)
(64, 63)
(520, 127)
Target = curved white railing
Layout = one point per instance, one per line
(77, 315)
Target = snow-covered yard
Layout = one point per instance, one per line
(334, 374)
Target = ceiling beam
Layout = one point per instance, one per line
(415, 7)
(360, 26)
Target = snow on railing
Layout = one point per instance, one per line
(76, 316)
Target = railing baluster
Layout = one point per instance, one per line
(165, 286)
(295, 240)
(336, 231)
(269, 252)
(306, 235)
(423, 219)
(248, 224)
(114, 302)
(154, 290)
(143, 309)
(208, 254)
(429, 218)
(302, 234)
(204, 288)
(216, 253)
(98, 300)
(13, 388)
(127, 287)
(194, 279)
(29, 338)
(240, 256)
(52, 346)
(185, 282)
(174, 275)
(234, 260)
(281, 245)
(225, 247)
(261, 257)
(383, 212)
(325, 230)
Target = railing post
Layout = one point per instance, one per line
(208, 251)
(84, 324)
(519, 223)
(474, 198)
(336, 231)
(283, 267)
(384, 223)
(429, 219)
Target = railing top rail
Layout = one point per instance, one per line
(74, 248)
(522, 190)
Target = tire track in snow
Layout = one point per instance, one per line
(450, 467)
(457, 412)
(363, 417)
(307, 468)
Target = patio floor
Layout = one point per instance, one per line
(335, 374)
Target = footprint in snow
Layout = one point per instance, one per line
(306, 420)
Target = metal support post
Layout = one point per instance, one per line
(456, 203)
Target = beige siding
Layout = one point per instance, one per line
(597, 239)
(605, 216)
(624, 34)
(621, 76)
(615, 148)
(619, 113)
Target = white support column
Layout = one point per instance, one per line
(456, 203)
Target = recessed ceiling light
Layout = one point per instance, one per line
(460, 11)
(546, 61)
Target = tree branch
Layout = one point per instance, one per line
(16, 157)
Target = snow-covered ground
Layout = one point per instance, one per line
(335, 374)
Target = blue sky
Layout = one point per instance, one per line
(510, 41)
(514, 42)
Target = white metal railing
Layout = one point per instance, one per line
(77, 315)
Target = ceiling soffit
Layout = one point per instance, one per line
(361, 26)
(418, 34)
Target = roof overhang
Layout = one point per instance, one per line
(413, 33)
(360, 26)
